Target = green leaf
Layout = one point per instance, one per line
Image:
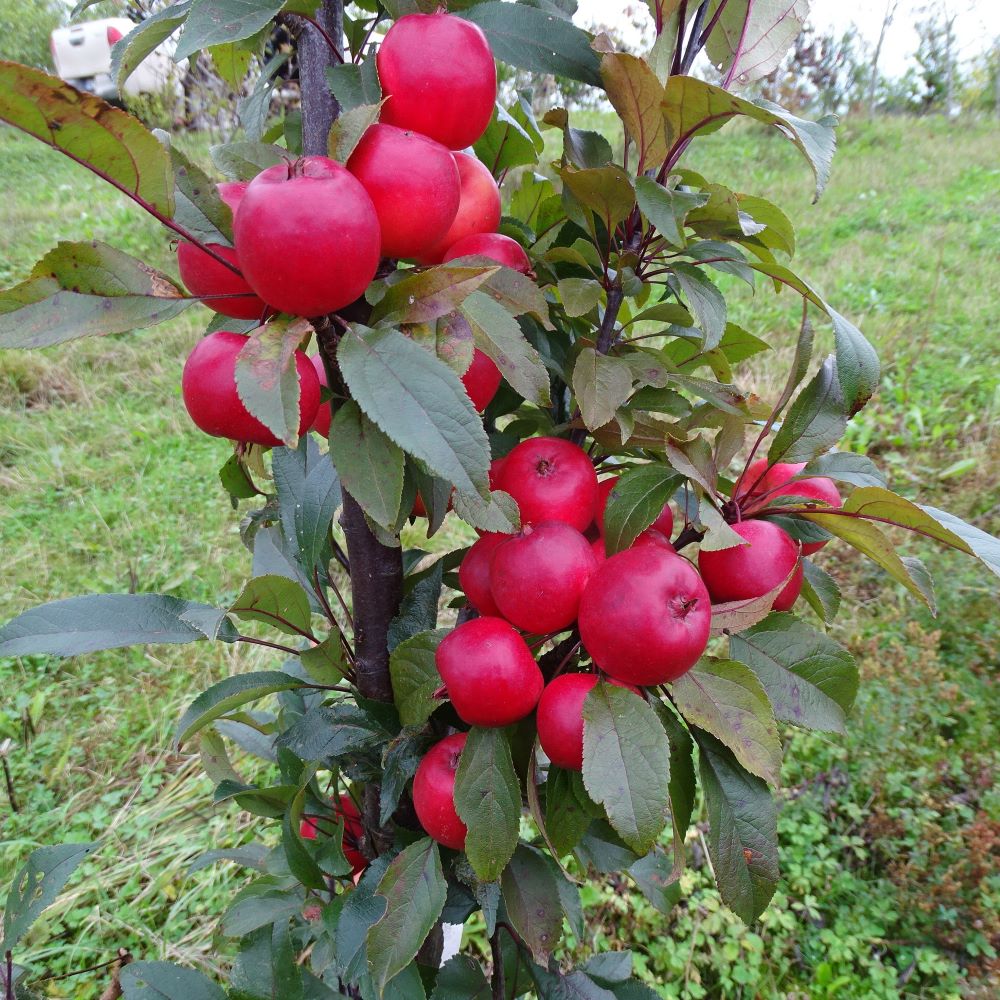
(693, 107)
(581, 148)
(354, 85)
(130, 50)
(418, 402)
(635, 503)
(38, 883)
(415, 677)
(601, 384)
(415, 890)
(82, 290)
(242, 161)
(533, 40)
(815, 422)
(694, 460)
(419, 609)
(258, 908)
(102, 138)
(531, 896)
(334, 731)
(727, 699)
(683, 783)
(845, 467)
(750, 38)
(500, 513)
(87, 624)
(706, 301)
(810, 680)
(300, 862)
(313, 507)
(637, 95)
(870, 540)
(253, 109)
(232, 61)
(228, 694)
(516, 292)
(267, 379)
(778, 233)
(507, 142)
(498, 335)
(369, 463)
(236, 481)
(820, 591)
(461, 978)
(626, 763)
(742, 830)
(579, 295)
(666, 209)
(166, 981)
(568, 809)
(348, 130)
(977, 542)
(212, 22)
(606, 191)
(448, 337)
(488, 801)
(857, 363)
(275, 601)
(427, 295)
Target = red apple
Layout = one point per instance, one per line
(307, 236)
(208, 385)
(645, 616)
(491, 676)
(744, 572)
(438, 77)
(790, 594)
(552, 480)
(321, 425)
(413, 183)
(560, 717)
(434, 792)
(482, 380)
(221, 289)
(497, 247)
(538, 575)
(648, 537)
(474, 573)
(478, 207)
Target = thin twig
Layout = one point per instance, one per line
(334, 48)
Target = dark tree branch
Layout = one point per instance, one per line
(376, 569)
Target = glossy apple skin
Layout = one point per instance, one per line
(208, 385)
(537, 576)
(496, 246)
(438, 77)
(744, 572)
(434, 792)
(321, 425)
(307, 236)
(552, 480)
(347, 811)
(210, 281)
(791, 592)
(413, 183)
(474, 574)
(560, 717)
(664, 522)
(482, 380)
(645, 616)
(491, 676)
(478, 207)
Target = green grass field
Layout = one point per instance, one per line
(889, 837)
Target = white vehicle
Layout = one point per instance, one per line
(82, 57)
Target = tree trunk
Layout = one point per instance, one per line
(890, 11)
(376, 569)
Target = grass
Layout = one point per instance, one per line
(104, 485)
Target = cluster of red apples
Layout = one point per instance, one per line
(643, 614)
(309, 234)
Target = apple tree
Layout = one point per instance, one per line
(644, 609)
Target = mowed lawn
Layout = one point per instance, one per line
(105, 486)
